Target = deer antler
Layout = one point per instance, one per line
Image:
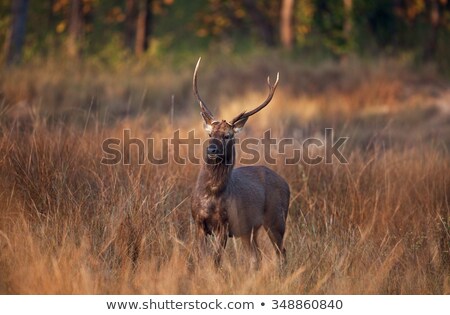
(245, 114)
(205, 112)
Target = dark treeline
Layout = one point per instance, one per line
(418, 29)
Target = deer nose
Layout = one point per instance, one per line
(212, 149)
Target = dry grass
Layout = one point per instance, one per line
(379, 225)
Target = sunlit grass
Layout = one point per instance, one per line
(378, 225)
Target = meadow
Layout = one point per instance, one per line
(71, 225)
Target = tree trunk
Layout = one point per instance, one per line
(143, 26)
(130, 24)
(348, 25)
(286, 24)
(430, 49)
(16, 36)
(75, 28)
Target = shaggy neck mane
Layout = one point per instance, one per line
(216, 176)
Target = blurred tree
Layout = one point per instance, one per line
(75, 28)
(253, 18)
(435, 13)
(143, 26)
(348, 23)
(286, 23)
(221, 18)
(375, 24)
(16, 36)
(130, 24)
(329, 21)
(139, 23)
(416, 29)
(303, 18)
(264, 16)
(424, 27)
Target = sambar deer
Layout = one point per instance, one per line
(237, 202)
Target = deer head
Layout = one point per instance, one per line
(220, 147)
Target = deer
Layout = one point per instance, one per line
(236, 202)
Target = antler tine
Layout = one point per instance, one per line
(203, 106)
(272, 89)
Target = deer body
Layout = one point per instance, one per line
(237, 202)
(254, 196)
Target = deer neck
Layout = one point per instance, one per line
(215, 176)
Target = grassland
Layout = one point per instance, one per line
(377, 225)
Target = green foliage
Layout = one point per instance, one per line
(329, 22)
(375, 24)
(5, 21)
(182, 29)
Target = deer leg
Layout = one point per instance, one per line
(219, 246)
(251, 245)
(276, 239)
(201, 242)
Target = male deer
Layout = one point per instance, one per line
(236, 202)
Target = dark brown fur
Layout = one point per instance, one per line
(237, 202)
(230, 201)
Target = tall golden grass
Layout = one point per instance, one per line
(377, 225)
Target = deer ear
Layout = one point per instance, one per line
(208, 127)
(207, 122)
(238, 125)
